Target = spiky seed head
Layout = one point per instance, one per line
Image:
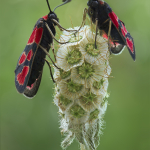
(81, 86)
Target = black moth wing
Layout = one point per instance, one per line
(39, 60)
(125, 38)
(116, 40)
(32, 79)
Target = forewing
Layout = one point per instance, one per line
(125, 35)
(116, 44)
(24, 64)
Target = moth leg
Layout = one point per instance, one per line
(53, 35)
(48, 56)
(53, 51)
(83, 20)
(50, 70)
(96, 23)
(105, 21)
(109, 30)
(60, 27)
(96, 33)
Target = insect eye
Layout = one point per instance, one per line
(91, 12)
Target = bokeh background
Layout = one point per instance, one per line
(33, 124)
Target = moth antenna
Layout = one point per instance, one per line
(109, 31)
(48, 6)
(65, 2)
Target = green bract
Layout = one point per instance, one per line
(90, 48)
(94, 114)
(77, 111)
(64, 74)
(89, 98)
(97, 85)
(74, 56)
(64, 100)
(73, 87)
(105, 99)
(85, 71)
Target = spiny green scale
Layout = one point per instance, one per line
(97, 85)
(73, 56)
(64, 100)
(85, 71)
(90, 48)
(75, 38)
(94, 114)
(77, 111)
(64, 74)
(73, 87)
(89, 98)
(105, 99)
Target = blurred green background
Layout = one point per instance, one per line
(33, 124)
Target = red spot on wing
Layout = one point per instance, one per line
(123, 30)
(36, 36)
(45, 17)
(30, 54)
(21, 76)
(114, 19)
(130, 45)
(22, 58)
(30, 87)
(32, 37)
(101, 2)
(106, 37)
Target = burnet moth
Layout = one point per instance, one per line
(28, 72)
(110, 26)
